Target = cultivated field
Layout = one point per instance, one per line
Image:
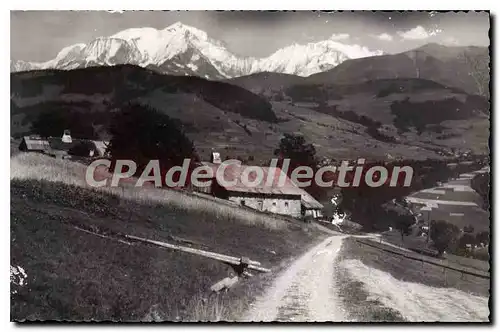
(457, 203)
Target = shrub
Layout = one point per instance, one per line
(443, 235)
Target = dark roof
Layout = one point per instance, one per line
(233, 172)
(35, 143)
(57, 144)
(309, 202)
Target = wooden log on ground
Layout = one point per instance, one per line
(235, 261)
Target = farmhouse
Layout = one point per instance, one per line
(269, 196)
(34, 143)
(62, 147)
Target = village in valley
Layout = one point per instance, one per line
(454, 201)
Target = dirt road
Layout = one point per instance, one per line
(305, 292)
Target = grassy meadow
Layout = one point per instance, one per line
(76, 275)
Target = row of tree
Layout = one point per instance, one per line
(446, 236)
(481, 184)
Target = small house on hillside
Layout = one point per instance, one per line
(310, 206)
(267, 196)
(34, 143)
(60, 147)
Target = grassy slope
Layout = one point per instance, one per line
(238, 123)
(414, 241)
(74, 275)
(413, 271)
(398, 105)
(441, 64)
(404, 275)
(378, 286)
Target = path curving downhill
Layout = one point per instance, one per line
(306, 291)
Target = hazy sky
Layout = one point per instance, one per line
(40, 35)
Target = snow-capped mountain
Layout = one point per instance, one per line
(183, 50)
(20, 65)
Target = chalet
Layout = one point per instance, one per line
(287, 199)
(34, 143)
(61, 147)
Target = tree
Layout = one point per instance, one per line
(465, 239)
(483, 237)
(141, 133)
(81, 149)
(300, 153)
(443, 235)
(52, 123)
(403, 224)
(481, 184)
(469, 229)
(401, 218)
(295, 148)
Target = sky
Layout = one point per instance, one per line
(40, 35)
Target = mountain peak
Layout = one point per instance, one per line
(69, 49)
(181, 49)
(134, 33)
(179, 26)
(186, 30)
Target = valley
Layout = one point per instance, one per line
(387, 119)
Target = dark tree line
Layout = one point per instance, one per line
(481, 184)
(366, 204)
(141, 133)
(53, 122)
(446, 236)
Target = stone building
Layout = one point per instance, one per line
(268, 195)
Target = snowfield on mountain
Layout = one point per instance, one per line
(184, 50)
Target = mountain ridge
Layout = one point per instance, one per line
(465, 67)
(201, 55)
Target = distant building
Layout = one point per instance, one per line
(62, 146)
(66, 137)
(307, 104)
(215, 158)
(34, 143)
(267, 196)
